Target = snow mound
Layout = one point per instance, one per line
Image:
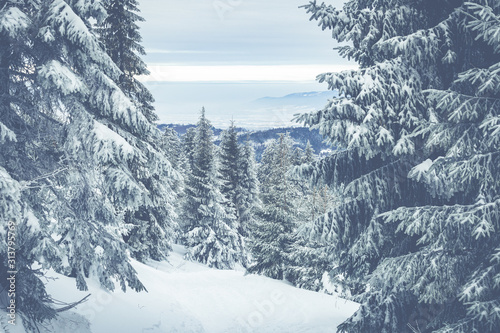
(189, 297)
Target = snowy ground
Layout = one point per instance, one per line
(188, 297)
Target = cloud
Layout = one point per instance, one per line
(239, 73)
(159, 51)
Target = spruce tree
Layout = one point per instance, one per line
(23, 130)
(418, 123)
(272, 238)
(309, 259)
(210, 232)
(104, 129)
(120, 35)
(151, 224)
(228, 161)
(172, 146)
(188, 144)
(76, 156)
(173, 150)
(247, 191)
(297, 156)
(308, 153)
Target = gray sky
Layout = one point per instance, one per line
(233, 41)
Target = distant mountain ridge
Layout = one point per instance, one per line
(313, 99)
(277, 112)
(311, 94)
(260, 138)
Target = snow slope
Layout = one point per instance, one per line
(189, 297)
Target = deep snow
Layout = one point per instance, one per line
(189, 297)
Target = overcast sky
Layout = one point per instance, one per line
(233, 41)
(243, 33)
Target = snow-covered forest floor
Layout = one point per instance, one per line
(189, 297)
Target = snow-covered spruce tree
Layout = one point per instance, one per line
(172, 146)
(78, 148)
(211, 234)
(309, 156)
(120, 35)
(419, 123)
(152, 223)
(229, 154)
(187, 154)
(102, 144)
(173, 150)
(297, 156)
(188, 144)
(247, 191)
(308, 263)
(309, 259)
(272, 238)
(23, 130)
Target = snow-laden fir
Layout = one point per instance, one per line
(415, 236)
(81, 161)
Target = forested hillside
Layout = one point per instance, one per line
(259, 139)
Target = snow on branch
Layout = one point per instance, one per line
(6, 134)
(61, 77)
(13, 21)
(110, 145)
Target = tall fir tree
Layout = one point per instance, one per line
(248, 190)
(308, 153)
(152, 224)
(309, 259)
(120, 35)
(228, 161)
(172, 146)
(188, 144)
(76, 156)
(418, 123)
(273, 237)
(173, 149)
(104, 129)
(297, 156)
(23, 130)
(210, 232)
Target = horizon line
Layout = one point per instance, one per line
(240, 73)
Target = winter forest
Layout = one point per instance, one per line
(106, 220)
